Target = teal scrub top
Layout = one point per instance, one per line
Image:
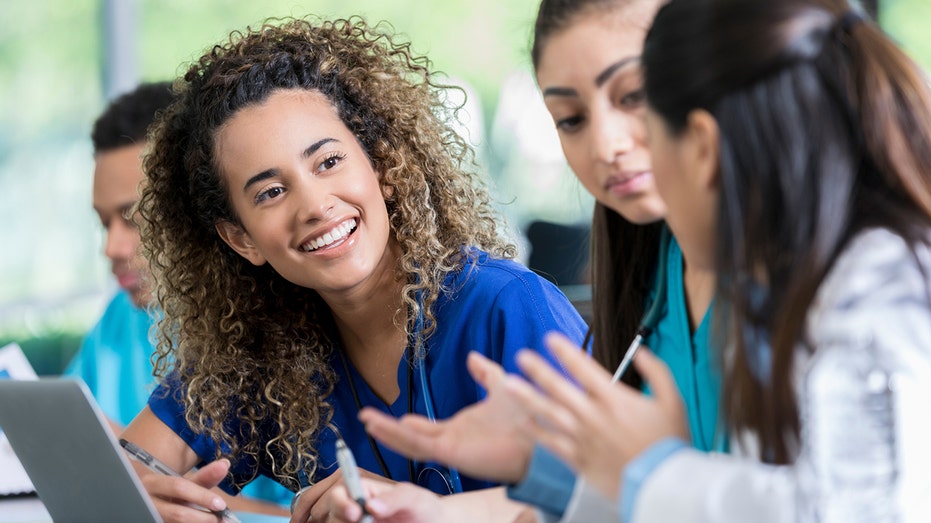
(694, 364)
(114, 360)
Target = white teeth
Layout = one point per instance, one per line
(341, 231)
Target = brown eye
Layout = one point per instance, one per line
(569, 124)
(633, 99)
(331, 161)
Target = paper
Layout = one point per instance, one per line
(13, 479)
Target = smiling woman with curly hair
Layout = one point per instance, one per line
(321, 242)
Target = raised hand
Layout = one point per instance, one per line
(595, 425)
(488, 439)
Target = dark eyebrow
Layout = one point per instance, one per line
(271, 173)
(264, 175)
(602, 77)
(559, 91)
(316, 146)
(611, 69)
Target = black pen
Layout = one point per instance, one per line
(139, 454)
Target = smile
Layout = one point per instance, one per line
(334, 236)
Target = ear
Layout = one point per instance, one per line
(704, 147)
(238, 239)
(387, 191)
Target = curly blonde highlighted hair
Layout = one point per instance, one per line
(245, 342)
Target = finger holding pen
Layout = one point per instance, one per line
(351, 477)
(314, 503)
(178, 498)
(182, 499)
(388, 501)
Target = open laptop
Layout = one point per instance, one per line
(62, 440)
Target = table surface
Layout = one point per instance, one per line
(30, 509)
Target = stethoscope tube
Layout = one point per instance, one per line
(420, 360)
(455, 481)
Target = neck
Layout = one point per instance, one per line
(371, 339)
(699, 289)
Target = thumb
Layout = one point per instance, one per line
(212, 474)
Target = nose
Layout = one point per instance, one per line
(122, 241)
(314, 200)
(612, 135)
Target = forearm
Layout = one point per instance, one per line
(151, 434)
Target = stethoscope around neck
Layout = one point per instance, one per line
(416, 362)
(649, 322)
(651, 317)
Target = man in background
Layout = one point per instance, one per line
(115, 356)
(114, 359)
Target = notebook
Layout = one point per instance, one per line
(62, 440)
(13, 478)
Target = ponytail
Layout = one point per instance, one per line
(894, 98)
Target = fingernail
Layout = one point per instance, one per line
(217, 504)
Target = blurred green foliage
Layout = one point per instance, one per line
(909, 23)
(478, 40)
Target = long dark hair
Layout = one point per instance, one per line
(824, 131)
(623, 254)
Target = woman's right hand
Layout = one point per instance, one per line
(403, 502)
(177, 499)
(484, 440)
(185, 499)
(388, 502)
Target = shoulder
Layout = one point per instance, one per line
(121, 306)
(486, 274)
(505, 288)
(879, 285)
(877, 263)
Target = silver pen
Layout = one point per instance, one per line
(347, 463)
(139, 454)
(628, 357)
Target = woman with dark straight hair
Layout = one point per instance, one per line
(791, 141)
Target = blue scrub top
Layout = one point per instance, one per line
(496, 307)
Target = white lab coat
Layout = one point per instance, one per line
(876, 286)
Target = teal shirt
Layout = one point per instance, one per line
(115, 362)
(549, 483)
(694, 365)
